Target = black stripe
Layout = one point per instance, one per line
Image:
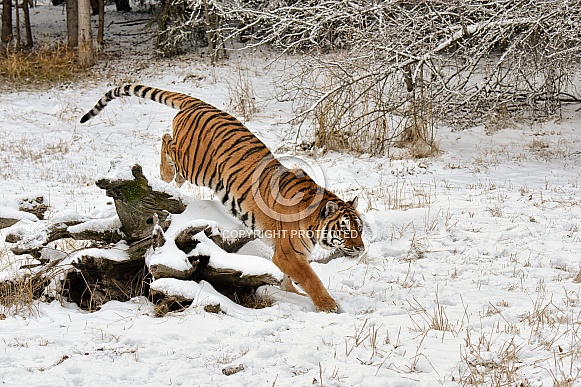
(244, 194)
(291, 179)
(234, 212)
(232, 175)
(209, 163)
(191, 134)
(154, 94)
(249, 175)
(305, 244)
(214, 152)
(146, 89)
(206, 128)
(312, 235)
(243, 139)
(291, 240)
(136, 90)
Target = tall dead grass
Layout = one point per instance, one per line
(17, 290)
(242, 98)
(43, 66)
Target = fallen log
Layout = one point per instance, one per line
(98, 280)
(128, 251)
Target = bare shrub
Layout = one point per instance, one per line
(490, 366)
(404, 67)
(183, 24)
(382, 74)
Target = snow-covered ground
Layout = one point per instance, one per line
(472, 274)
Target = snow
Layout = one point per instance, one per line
(201, 294)
(116, 253)
(11, 209)
(98, 225)
(471, 266)
(170, 256)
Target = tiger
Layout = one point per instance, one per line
(209, 147)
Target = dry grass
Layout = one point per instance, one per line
(24, 284)
(26, 280)
(400, 195)
(495, 358)
(487, 366)
(43, 66)
(438, 320)
(368, 337)
(179, 304)
(242, 99)
(497, 119)
(418, 136)
(253, 301)
(370, 118)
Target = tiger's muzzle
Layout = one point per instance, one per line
(353, 251)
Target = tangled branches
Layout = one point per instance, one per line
(383, 72)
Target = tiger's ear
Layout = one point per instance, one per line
(330, 208)
(354, 202)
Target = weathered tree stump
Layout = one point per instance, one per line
(136, 202)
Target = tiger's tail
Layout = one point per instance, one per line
(169, 98)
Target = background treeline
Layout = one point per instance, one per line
(386, 72)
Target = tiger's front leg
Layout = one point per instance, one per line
(296, 266)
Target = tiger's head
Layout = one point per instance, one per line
(340, 227)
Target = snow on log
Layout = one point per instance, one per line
(26, 207)
(34, 242)
(166, 260)
(195, 252)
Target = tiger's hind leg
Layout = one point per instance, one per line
(167, 168)
(288, 286)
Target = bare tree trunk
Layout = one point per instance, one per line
(86, 50)
(101, 29)
(72, 23)
(17, 24)
(216, 46)
(122, 6)
(6, 21)
(27, 28)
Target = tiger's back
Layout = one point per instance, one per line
(211, 148)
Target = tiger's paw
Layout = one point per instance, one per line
(328, 305)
